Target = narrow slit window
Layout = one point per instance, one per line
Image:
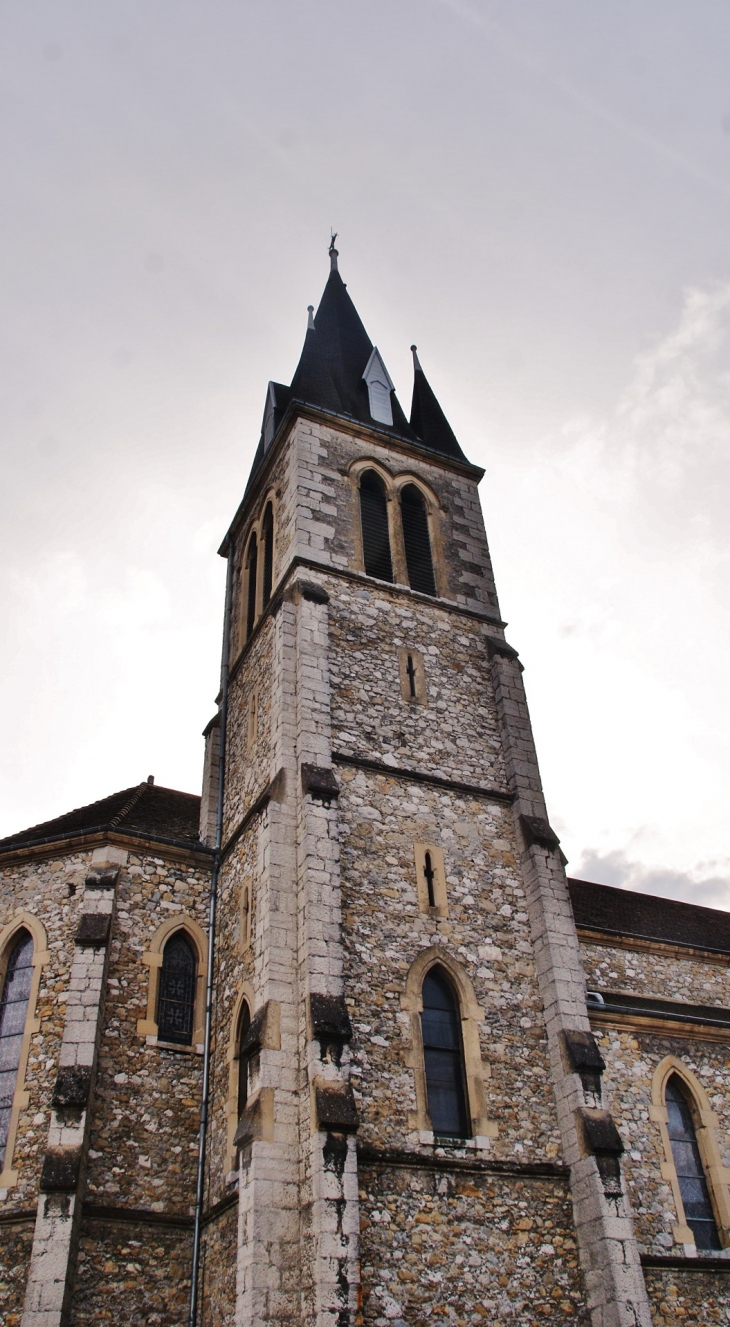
(411, 671)
(268, 542)
(443, 1056)
(417, 541)
(243, 1060)
(688, 1163)
(251, 568)
(429, 876)
(176, 1004)
(375, 533)
(13, 1013)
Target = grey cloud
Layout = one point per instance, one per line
(616, 868)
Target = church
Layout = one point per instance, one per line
(338, 1042)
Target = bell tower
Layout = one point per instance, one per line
(407, 1122)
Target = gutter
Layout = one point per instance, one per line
(203, 1135)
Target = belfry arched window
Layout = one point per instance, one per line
(251, 577)
(417, 541)
(244, 1023)
(267, 539)
(443, 1056)
(13, 1012)
(375, 533)
(693, 1186)
(176, 1000)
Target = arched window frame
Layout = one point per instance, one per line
(257, 531)
(393, 485)
(476, 1070)
(244, 999)
(24, 921)
(147, 1027)
(433, 509)
(706, 1131)
(268, 547)
(386, 481)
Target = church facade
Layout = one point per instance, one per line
(440, 1082)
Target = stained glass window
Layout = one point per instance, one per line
(176, 1004)
(13, 1011)
(690, 1172)
(443, 1056)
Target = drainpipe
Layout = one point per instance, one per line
(202, 1138)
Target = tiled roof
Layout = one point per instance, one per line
(147, 810)
(622, 912)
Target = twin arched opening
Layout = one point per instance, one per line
(257, 571)
(409, 531)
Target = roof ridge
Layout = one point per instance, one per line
(129, 806)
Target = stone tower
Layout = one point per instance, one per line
(407, 1121)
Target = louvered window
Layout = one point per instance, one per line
(416, 539)
(443, 1055)
(690, 1172)
(251, 569)
(268, 541)
(13, 1012)
(176, 1005)
(243, 1059)
(375, 535)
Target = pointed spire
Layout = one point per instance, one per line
(428, 419)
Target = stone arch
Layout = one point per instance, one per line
(147, 1027)
(22, 921)
(706, 1130)
(472, 1016)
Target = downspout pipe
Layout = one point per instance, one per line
(212, 910)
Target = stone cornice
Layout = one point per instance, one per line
(62, 845)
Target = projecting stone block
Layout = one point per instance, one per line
(336, 1109)
(61, 1170)
(599, 1132)
(72, 1085)
(103, 878)
(319, 782)
(93, 929)
(537, 830)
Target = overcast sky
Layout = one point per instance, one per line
(538, 194)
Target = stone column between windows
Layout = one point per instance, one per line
(609, 1253)
(63, 1175)
(328, 1120)
(268, 1273)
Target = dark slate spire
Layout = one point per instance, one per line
(428, 420)
(337, 357)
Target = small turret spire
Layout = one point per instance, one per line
(333, 253)
(310, 318)
(416, 362)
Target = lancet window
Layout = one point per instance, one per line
(444, 1056)
(416, 539)
(176, 1000)
(267, 538)
(693, 1185)
(375, 532)
(13, 1013)
(244, 1023)
(251, 577)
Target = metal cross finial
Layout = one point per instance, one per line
(333, 252)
